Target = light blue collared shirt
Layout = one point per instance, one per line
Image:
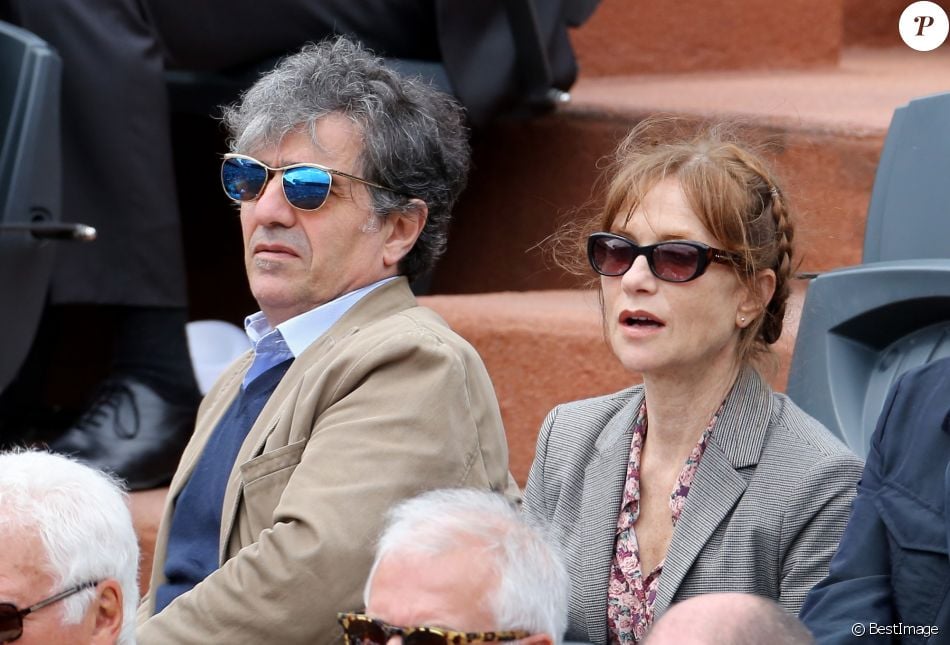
(292, 337)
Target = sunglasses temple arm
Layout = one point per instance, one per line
(58, 597)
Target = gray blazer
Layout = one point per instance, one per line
(768, 504)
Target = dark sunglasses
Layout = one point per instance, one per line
(679, 261)
(11, 618)
(306, 185)
(360, 629)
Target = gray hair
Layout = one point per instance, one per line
(81, 517)
(414, 139)
(533, 582)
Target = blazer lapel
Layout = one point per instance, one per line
(604, 479)
(253, 445)
(222, 399)
(736, 443)
(379, 303)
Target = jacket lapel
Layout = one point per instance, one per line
(218, 401)
(600, 505)
(382, 301)
(736, 443)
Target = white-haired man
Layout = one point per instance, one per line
(460, 566)
(69, 562)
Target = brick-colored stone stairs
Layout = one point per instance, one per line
(818, 80)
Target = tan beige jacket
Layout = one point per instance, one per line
(388, 403)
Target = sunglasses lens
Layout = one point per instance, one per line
(424, 637)
(243, 179)
(306, 187)
(675, 262)
(365, 632)
(609, 255)
(11, 624)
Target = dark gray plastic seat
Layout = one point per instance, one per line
(909, 213)
(29, 185)
(864, 326)
(861, 328)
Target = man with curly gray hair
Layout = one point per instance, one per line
(354, 397)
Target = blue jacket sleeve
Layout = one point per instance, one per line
(858, 588)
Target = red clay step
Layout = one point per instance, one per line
(873, 23)
(656, 36)
(651, 36)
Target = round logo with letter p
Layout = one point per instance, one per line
(924, 26)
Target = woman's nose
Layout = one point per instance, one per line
(639, 277)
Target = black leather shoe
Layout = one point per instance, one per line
(132, 431)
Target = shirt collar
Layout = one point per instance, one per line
(302, 330)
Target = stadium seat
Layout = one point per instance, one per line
(863, 326)
(29, 186)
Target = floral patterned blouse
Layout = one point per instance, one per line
(630, 595)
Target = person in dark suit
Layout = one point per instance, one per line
(890, 579)
(702, 479)
(118, 174)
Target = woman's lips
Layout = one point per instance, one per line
(640, 322)
(640, 317)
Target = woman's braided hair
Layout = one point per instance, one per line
(730, 188)
(774, 244)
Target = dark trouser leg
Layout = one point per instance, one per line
(143, 414)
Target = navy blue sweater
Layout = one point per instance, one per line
(196, 520)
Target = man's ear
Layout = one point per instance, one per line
(109, 612)
(402, 229)
(754, 300)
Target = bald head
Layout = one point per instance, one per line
(728, 619)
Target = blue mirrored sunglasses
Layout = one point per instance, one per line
(306, 185)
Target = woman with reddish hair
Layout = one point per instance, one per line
(701, 479)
